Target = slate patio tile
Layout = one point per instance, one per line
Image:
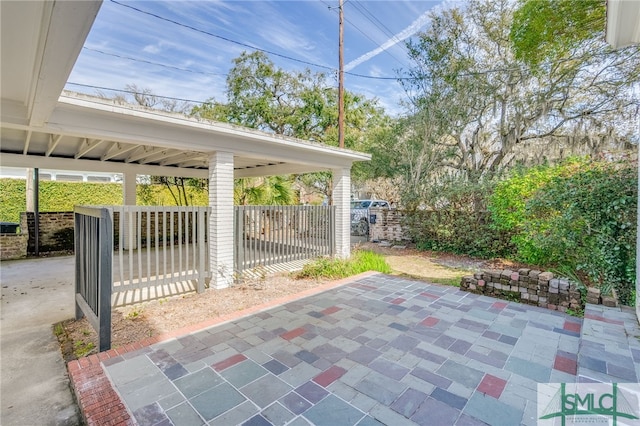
(399, 327)
(307, 356)
(444, 341)
(257, 420)
(228, 362)
(405, 343)
(150, 414)
(457, 372)
(408, 402)
(266, 390)
(380, 388)
(492, 385)
(184, 415)
(592, 364)
(329, 352)
(243, 373)
(277, 415)
(275, 367)
(429, 356)
(622, 372)
(492, 411)
(312, 392)
(449, 398)
(295, 403)
(388, 368)
(528, 369)
(333, 411)
(364, 355)
(216, 401)
(198, 382)
(431, 377)
(433, 412)
(566, 365)
(460, 346)
(329, 375)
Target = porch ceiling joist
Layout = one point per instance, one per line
(54, 140)
(115, 149)
(86, 146)
(159, 156)
(27, 140)
(182, 159)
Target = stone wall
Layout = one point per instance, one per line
(387, 226)
(56, 231)
(13, 246)
(526, 286)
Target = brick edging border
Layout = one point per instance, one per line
(101, 405)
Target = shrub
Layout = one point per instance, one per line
(453, 218)
(360, 261)
(461, 232)
(508, 201)
(587, 221)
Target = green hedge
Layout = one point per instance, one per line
(63, 196)
(55, 196)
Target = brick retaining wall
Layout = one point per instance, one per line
(13, 246)
(526, 286)
(56, 231)
(387, 226)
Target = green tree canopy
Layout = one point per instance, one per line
(301, 104)
(549, 29)
(477, 107)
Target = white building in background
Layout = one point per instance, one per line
(61, 175)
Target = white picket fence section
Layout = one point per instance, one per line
(160, 250)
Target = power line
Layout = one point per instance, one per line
(250, 46)
(367, 36)
(375, 21)
(302, 61)
(144, 61)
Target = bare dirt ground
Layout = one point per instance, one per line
(136, 322)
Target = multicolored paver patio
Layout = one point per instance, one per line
(376, 349)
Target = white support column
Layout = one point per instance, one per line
(29, 190)
(221, 239)
(638, 255)
(130, 240)
(342, 200)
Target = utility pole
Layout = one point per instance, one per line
(341, 77)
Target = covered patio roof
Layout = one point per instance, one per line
(44, 126)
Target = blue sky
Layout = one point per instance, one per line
(306, 30)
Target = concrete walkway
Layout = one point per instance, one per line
(372, 350)
(35, 385)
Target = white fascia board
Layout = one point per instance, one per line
(80, 117)
(623, 23)
(32, 161)
(64, 32)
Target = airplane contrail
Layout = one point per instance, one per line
(397, 38)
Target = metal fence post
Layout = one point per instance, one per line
(106, 279)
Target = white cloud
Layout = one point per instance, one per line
(152, 48)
